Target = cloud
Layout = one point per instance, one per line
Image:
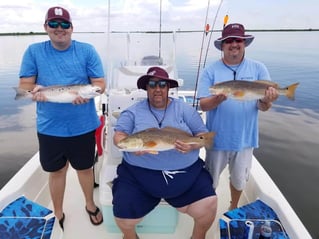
(144, 15)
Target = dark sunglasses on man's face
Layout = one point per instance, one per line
(161, 84)
(55, 24)
(231, 40)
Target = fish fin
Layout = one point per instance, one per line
(21, 93)
(208, 139)
(150, 144)
(172, 129)
(150, 130)
(239, 93)
(127, 91)
(267, 82)
(152, 152)
(291, 91)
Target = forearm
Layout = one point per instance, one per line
(99, 82)
(27, 83)
(211, 102)
(118, 136)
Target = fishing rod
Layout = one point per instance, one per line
(201, 51)
(200, 56)
(160, 32)
(211, 33)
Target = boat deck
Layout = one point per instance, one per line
(76, 216)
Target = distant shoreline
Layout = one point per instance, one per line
(247, 30)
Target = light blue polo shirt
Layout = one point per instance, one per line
(178, 115)
(235, 122)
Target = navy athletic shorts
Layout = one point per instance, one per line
(56, 151)
(137, 191)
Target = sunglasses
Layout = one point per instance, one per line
(231, 40)
(55, 24)
(161, 84)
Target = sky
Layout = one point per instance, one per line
(144, 15)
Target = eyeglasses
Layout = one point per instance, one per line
(231, 40)
(161, 84)
(55, 24)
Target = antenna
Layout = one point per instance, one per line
(160, 32)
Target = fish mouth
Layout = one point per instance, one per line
(97, 89)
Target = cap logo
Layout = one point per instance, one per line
(151, 73)
(58, 12)
(235, 26)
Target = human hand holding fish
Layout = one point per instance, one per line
(184, 148)
(271, 94)
(76, 94)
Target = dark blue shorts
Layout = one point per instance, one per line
(137, 191)
(56, 151)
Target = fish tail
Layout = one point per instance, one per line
(21, 93)
(290, 91)
(209, 139)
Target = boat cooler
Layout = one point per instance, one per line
(163, 219)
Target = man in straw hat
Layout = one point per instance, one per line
(235, 122)
(145, 178)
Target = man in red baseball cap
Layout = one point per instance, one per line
(58, 13)
(63, 129)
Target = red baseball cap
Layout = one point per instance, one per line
(58, 13)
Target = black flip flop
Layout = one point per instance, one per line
(94, 214)
(61, 221)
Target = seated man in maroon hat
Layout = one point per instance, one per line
(144, 178)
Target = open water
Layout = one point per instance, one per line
(289, 132)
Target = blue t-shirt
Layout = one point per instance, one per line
(235, 122)
(178, 115)
(74, 65)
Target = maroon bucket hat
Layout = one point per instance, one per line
(234, 30)
(155, 72)
(58, 13)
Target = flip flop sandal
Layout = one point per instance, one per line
(94, 214)
(61, 221)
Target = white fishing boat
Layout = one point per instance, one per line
(27, 192)
(26, 207)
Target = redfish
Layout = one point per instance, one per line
(62, 94)
(250, 90)
(155, 140)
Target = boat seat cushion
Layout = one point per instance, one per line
(23, 218)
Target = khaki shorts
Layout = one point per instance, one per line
(239, 166)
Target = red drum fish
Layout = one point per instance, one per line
(154, 140)
(62, 94)
(250, 90)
